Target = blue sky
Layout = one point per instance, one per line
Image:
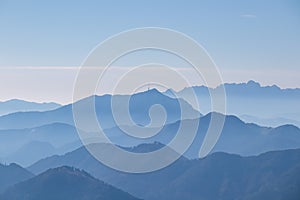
(238, 34)
(241, 36)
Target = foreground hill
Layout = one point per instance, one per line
(64, 183)
(12, 174)
(273, 175)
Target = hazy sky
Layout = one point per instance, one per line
(252, 39)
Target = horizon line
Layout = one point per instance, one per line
(146, 90)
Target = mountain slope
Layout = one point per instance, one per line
(266, 102)
(81, 159)
(31, 152)
(218, 176)
(18, 145)
(139, 106)
(64, 183)
(271, 122)
(254, 139)
(12, 174)
(16, 105)
(224, 176)
(64, 138)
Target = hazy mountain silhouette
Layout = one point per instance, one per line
(64, 183)
(12, 174)
(31, 152)
(271, 122)
(252, 88)
(237, 137)
(25, 146)
(139, 106)
(16, 145)
(81, 158)
(247, 139)
(16, 105)
(272, 175)
(250, 99)
(242, 99)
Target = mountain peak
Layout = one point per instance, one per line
(70, 171)
(151, 92)
(253, 83)
(65, 183)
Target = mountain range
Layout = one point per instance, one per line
(272, 175)
(236, 137)
(139, 106)
(269, 103)
(26, 146)
(260, 101)
(16, 105)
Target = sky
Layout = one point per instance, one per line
(43, 43)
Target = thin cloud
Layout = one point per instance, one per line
(249, 16)
(86, 67)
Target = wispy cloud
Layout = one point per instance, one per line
(39, 68)
(50, 68)
(249, 16)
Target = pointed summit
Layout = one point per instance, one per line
(253, 83)
(150, 91)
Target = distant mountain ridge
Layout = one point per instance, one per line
(252, 99)
(26, 146)
(254, 88)
(272, 122)
(278, 106)
(16, 105)
(255, 139)
(58, 138)
(250, 88)
(54, 133)
(139, 106)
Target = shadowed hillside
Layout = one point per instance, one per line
(64, 183)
